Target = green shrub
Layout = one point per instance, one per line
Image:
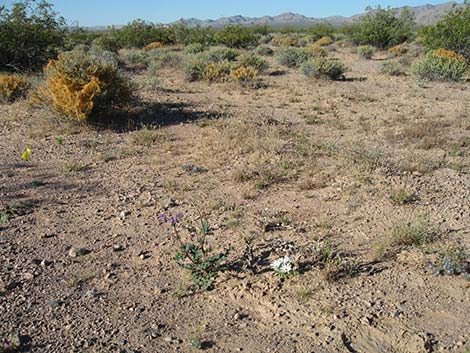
(159, 58)
(392, 68)
(106, 42)
(440, 65)
(193, 70)
(452, 32)
(84, 81)
(31, 33)
(217, 54)
(12, 87)
(134, 58)
(194, 48)
(264, 50)
(251, 60)
(321, 30)
(321, 67)
(139, 33)
(383, 28)
(237, 37)
(366, 51)
(199, 68)
(294, 57)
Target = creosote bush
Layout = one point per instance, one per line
(452, 32)
(440, 65)
(84, 81)
(366, 51)
(12, 87)
(326, 68)
(217, 54)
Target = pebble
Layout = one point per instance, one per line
(77, 252)
(117, 248)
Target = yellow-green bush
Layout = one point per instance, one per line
(154, 45)
(440, 65)
(366, 51)
(12, 87)
(217, 71)
(244, 74)
(285, 41)
(324, 41)
(84, 81)
(398, 50)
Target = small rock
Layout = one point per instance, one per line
(77, 252)
(169, 203)
(28, 276)
(118, 247)
(124, 214)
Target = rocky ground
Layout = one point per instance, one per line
(298, 167)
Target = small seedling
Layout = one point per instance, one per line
(58, 140)
(194, 256)
(27, 154)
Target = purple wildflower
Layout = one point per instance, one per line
(163, 218)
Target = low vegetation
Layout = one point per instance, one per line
(440, 65)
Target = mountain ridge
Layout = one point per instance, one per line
(425, 15)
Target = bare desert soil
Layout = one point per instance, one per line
(293, 165)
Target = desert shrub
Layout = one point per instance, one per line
(286, 41)
(217, 54)
(440, 65)
(321, 30)
(30, 34)
(194, 48)
(190, 35)
(324, 41)
(79, 36)
(159, 58)
(194, 68)
(244, 74)
(153, 45)
(139, 33)
(198, 68)
(392, 68)
(321, 67)
(264, 50)
(84, 81)
(316, 50)
(254, 61)
(398, 50)
(12, 87)
(366, 51)
(237, 37)
(266, 39)
(294, 57)
(217, 71)
(134, 58)
(383, 28)
(452, 32)
(106, 42)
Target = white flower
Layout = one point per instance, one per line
(282, 265)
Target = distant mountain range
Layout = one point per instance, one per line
(425, 15)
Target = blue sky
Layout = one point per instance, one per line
(107, 12)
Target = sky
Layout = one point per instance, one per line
(119, 12)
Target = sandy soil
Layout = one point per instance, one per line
(320, 160)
